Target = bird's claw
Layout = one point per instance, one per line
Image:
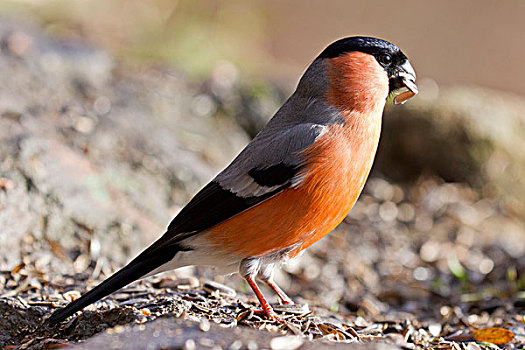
(269, 314)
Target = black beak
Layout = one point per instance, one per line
(404, 77)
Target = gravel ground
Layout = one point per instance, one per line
(407, 268)
(86, 181)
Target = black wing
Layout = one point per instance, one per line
(214, 204)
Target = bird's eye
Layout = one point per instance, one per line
(385, 59)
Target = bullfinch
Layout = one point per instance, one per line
(292, 184)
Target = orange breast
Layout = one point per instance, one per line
(337, 167)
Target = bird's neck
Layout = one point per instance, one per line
(357, 83)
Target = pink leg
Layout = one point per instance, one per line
(266, 308)
(285, 299)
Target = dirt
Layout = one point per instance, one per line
(97, 157)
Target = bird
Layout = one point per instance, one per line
(292, 184)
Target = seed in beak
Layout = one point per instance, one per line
(403, 97)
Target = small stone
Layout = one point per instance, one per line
(435, 329)
(206, 342)
(236, 345)
(72, 295)
(203, 105)
(288, 342)
(252, 345)
(189, 344)
(102, 105)
(204, 325)
(19, 43)
(84, 125)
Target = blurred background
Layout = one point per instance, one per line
(115, 112)
(468, 42)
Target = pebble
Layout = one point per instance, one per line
(252, 345)
(189, 344)
(72, 295)
(288, 342)
(19, 43)
(206, 342)
(435, 329)
(204, 325)
(236, 345)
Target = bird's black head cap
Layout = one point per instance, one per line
(386, 53)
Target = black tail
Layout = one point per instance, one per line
(143, 264)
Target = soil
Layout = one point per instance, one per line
(95, 160)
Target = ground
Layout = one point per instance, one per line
(97, 157)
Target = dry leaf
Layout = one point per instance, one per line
(145, 311)
(17, 268)
(327, 330)
(245, 314)
(72, 295)
(493, 335)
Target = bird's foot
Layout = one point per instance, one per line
(269, 314)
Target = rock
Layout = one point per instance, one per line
(93, 154)
(461, 134)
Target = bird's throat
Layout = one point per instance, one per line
(356, 82)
